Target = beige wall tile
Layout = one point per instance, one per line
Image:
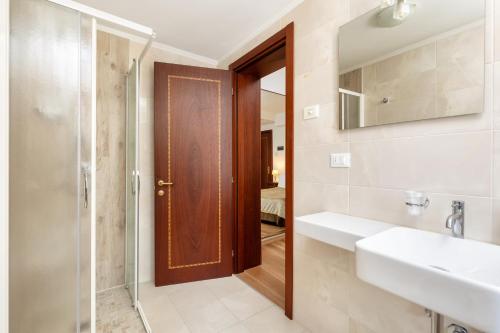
(496, 30)
(330, 255)
(313, 164)
(316, 197)
(316, 87)
(426, 163)
(388, 205)
(406, 64)
(321, 301)
(496, 94)
(319, 48)
(312, 14)
(319, 131)
(383, 312)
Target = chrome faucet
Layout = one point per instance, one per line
(455, 221)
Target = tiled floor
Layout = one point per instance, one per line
(221, 305)
(115, 313)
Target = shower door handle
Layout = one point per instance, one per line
(85, 172)
(132, 183)
(135, 180)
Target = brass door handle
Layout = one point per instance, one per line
(162, 183)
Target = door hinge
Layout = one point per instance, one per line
(232, 91)
(232, 253)
(232, 180)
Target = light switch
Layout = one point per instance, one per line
(342, 160)
(311, 112)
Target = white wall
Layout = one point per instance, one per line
(4, 166)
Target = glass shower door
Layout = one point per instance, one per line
(50, 157)
(132, 179)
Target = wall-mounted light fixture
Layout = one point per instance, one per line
(394, 12)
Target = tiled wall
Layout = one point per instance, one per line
(112, 66)
(444, 77)
(146, 132)
(450, 158)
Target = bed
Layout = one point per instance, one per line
(272, 205)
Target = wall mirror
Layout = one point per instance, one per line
(410, 60)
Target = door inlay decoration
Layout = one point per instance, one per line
(218, 260)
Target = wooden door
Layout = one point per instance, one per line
(266, 159)
(193, 191)
(248, 169)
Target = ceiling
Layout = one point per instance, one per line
(362, 40)
(209, 28)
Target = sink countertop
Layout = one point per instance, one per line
(338, 229)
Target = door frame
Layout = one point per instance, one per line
(283, 38)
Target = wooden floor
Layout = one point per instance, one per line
(269, 230)
(269, 278)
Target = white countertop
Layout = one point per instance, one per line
(338, 229)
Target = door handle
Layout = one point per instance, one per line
(162, 183)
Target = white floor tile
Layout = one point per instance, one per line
(225, 305)
(212, 317)
(194, 296)
(162, 315)
(246, 303)
(238, 328)
(272, 320)
(226, 286)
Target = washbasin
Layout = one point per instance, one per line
(455, 277)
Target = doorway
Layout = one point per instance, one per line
(253, 258)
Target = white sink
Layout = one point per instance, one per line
(454, 277)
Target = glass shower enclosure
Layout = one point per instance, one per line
(132, 183)
(50, 163)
